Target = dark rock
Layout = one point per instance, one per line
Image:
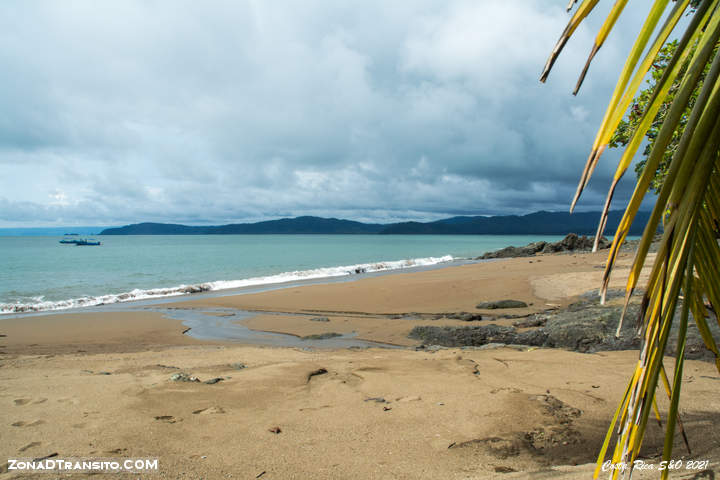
(213, 381)
(571, 242)
(459, 336)
(535, 338)
(320, 319)
(465, 316)
(321, 336)
(585, 326)
(501, 304)
(512, 252)
(376, 400)
(166, 418)
(574, 332)
(530, 322)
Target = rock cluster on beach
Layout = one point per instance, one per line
(502, 304)
(572, 242)
(585, 326)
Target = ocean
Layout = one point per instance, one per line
(37, 273)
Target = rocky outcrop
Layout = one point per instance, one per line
(585, 326)
(511, 252)
(476, 335)
(530, 322)
(465, 316)
(501, 304)
(572, 242)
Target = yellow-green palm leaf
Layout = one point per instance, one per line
(687, 263)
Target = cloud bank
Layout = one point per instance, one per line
(217, 112)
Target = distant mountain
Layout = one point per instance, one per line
(538, 223)
(299, 225)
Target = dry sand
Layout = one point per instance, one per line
(98, 385)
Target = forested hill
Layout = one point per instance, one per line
(299, 225)
(539, 223)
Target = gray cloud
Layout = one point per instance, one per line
(118, 112)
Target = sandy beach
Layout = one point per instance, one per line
(100, 385)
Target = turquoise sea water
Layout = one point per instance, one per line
(38, 273)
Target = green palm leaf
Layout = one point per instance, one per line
(687, 207)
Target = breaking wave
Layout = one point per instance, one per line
(39, 304)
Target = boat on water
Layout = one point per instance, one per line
(80, 242)
(68, 240)
(84, 242)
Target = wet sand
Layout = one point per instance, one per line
(90, 333)
(99, 385)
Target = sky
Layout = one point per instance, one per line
(216, 112)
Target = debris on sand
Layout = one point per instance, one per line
(319, 371)
(183, 377)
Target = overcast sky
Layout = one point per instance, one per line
(214, 112)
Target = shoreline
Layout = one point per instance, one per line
(237, 287)
(380, 307)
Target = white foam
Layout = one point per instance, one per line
(39, 305)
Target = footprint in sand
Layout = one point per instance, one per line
(167, 418)
(29, 446)
(413, 398)
(209, 411)
(22, 401)
(21, 423)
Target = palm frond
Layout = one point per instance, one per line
(600, 39)
(687, 207)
